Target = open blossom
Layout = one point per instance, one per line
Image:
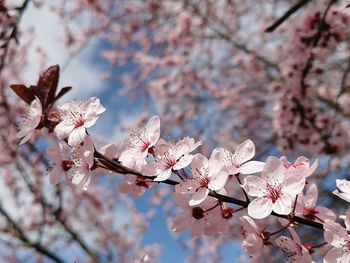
(338, 237)
(112, 151)
(254, 238)
(196, 218)
(76, 116)
(344, 187)
(207, 175)
(297, 252)
(238, 162)
(173, 156)
(301, 166)
(306, 207)
(141, 141)
(60, 164)
(275, 190)
(30, 121)
(134, 185)
(83, 159)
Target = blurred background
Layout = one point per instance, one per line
(220, 71)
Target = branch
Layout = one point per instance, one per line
(117, 167)
(13, 34)
(286, 15)
(57, 214)
(22, 236)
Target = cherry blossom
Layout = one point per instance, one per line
(141, 141)
(207, 175)
(30, 121)
(76, 117)
(134, 185)
(254, 238)
(60, 164)
(173, 156)
(306, 206)
(301, 166)
(297, 252)
(338, 237)
(195, 218)
(275, 190)
(344, 187)
(114, 152)
(238, 162)
(83, 159)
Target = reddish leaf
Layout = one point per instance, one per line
(47, 86)
(45, 90)
(23, 92)
(62, 92)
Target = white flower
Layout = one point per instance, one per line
(76, 117)
(294, 248)
(238, 162)
(171, 157)
(141, 141)
(30, 121)
(275, 190)
(83, 158)
(60, 164)
(207, 175)
(338, 237)
(344, 186)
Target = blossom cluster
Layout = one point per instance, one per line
(299, 117)
(274, 187)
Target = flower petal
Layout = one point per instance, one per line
(199, 196)
(254, 186)
(218, 181)
(260, 207)
(244, 152)
(76, 136)
(283, 204)
(252, 167)
(183, 162)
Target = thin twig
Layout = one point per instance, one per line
(286, 15)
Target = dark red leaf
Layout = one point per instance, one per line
(23, 92)
(62, 92)
(47, 86)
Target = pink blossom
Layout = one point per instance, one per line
(301, 166)
(173, 156)
(83, 158)
(306, 207)
(238, 162)
(207, 175)
(275, 190)
(113, 151)
(338, 237)
(60, 164)
(195, 218)
(30, 121)
(141, 141)
(296, 250)
(76, 117)
(344, 187)
(134, 185)
(254, 238)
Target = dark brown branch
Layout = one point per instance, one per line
(117, 167)
(316, 38)
(286, 15)
(45, 204)
(343, 86)
(13, 34)
(23, 237)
